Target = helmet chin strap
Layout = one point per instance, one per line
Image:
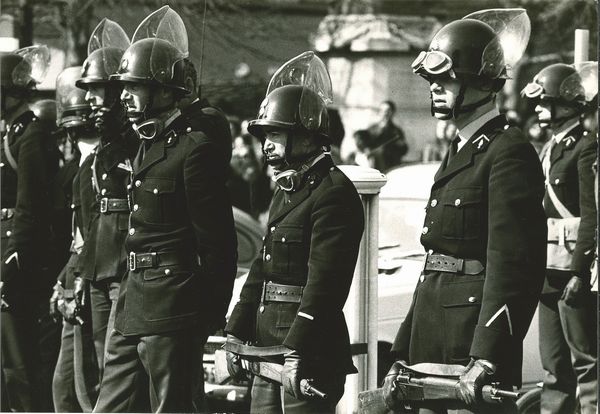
(150, 124)
(459, 108)
(290, 179)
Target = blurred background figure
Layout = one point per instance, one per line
(249, 185)
(436, 149)
(385, 144)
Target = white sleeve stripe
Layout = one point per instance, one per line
(15, 256)
(306, 315)
(493, 318)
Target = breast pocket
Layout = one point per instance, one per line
(462, 213)
(565, 187)
(157, 199)
(170, 294)
(460, 307)
(288, 253)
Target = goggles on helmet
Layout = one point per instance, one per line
(433, 62)
(532, 90)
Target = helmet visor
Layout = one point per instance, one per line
(584, 82)
(33, 67)
(433, 62)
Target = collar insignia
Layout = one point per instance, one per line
(480, 140)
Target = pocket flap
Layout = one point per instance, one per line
(559, 178)
(157, 185)
(288, 234)
(461, 197)
(463, 293)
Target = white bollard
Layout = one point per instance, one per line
(582, 42)
(361, 307)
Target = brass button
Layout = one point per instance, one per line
(434, 203)
(129, 186)
(131, 231)
(457, 202)
(472, 299)
(138, 183)
(167, 272)
(103, 192)
(422, 278)
(263, 238)
(261, 309)
(8, 233)
(136, 207)
(273, 229)
(188, 129)
(283, 239)
(332, 169)
(268, 257)
(557, 181)
(73, 206)
(425, 230)
(430, 251)
(155, 191)
(104, 176)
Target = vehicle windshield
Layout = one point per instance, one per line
(400, 224)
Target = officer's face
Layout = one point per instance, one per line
(136, 99)
(274, 146)
(444, 92)
(561, 112)
(95, 96)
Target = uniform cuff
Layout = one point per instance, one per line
(490, 344)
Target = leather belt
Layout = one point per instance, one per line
(7, 213)
(154, 259)
(275, 292)
(450, 264)
(113, 205)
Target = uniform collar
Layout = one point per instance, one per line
(564, 130)
(488, 112)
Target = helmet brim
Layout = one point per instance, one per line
(122, 78)
(257, 126)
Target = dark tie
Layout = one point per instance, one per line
(139, 157)
(453, 149)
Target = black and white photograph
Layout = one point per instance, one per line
(299, 206)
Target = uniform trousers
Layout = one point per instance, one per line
(270, 398)
(103, 298)
(165, 369)
(568, 348)
(75, 383)
(30, 345)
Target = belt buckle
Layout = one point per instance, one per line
(132, 261)
(104, 205)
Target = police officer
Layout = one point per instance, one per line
(568, 317)
(29, 158)
(181, 240)
(484, 228)
(70, 390)
(297, 287)
(103, 260)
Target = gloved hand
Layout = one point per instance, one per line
(57, 295)
(392, 394)
(573, 292)
(291, 375)
(234, 366)
(476, 375)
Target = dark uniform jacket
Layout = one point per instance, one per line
(312, 240)
(572, 179)
(180, 207)
(485, 204)
(26, 196)
(103, 256)
(62, 199)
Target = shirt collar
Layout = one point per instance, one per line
(472, 127)
(565, 129)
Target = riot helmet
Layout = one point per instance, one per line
(479, 50)
(296, 100)
(22, 69)
(156, 55)
(72, 110)
(106, 46)
(557, 84)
